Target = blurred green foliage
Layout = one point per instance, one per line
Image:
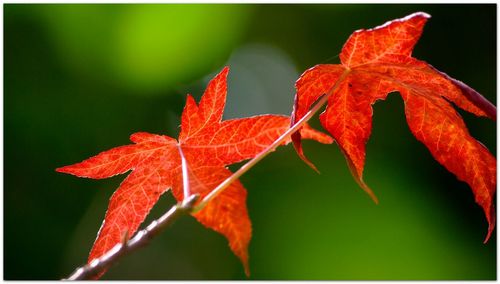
(145, 47)
(79, 79)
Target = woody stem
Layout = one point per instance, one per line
(236, 175)
(97, 266)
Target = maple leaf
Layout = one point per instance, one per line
(378, 61)
(207, 144)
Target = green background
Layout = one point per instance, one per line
(79, 79)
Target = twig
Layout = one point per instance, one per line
(141, 238)
(273, 146)
(187, 206)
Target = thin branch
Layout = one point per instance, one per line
(236, 175)
(143, 237)
(187, 206)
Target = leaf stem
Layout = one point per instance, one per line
(185, 175)
(97, 266)
(236, 175)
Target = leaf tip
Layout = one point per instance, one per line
(366, 188)
(357, 173)
(297, 144)
(222, 76)
(419, 14)
(488, 236)
(247, 270)
(417, 18)
(60, 169)
(190, 100)
(491, 224)
(64, 170)
(369, 191)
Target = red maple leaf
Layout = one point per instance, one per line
(208, 145)
(378, 61)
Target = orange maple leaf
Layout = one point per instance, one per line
(378, 61)
(208, 145)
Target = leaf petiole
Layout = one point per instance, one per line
(185, 176)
